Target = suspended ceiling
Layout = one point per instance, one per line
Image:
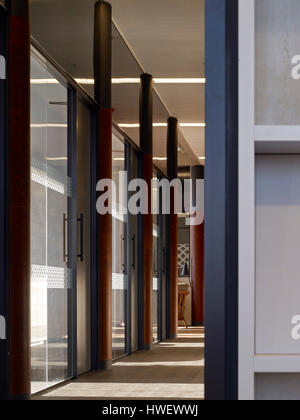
(168, 39)
(164, 38)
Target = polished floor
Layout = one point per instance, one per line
(172, 370)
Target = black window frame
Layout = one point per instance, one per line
(4, 344)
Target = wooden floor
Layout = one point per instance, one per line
(172, 370)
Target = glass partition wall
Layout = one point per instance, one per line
(51, 239)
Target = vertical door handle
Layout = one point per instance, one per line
(155, 262)
(80, 220)
(123, 265)
(133, 252)
(65, 254)
(191, 273)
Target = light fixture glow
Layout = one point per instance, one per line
(57, 159)
(129, 125)
(48, 125)
(44, 82)
(191, 125)
(125, 81)
(159, 81)
(160, 159)
(202, 157)
(179, 81)
(85, 81)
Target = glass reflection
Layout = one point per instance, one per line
(156, 275)
(50, 275)
(120, 277)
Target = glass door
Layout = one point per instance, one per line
(119, 249)
(156, 261)
(134, 250)
(52, 216)
(83, 176)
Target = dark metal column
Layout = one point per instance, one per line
(197, 257)
(221, 201)
(19, 199)
(146, 144)
(172, 154)
(102, 75)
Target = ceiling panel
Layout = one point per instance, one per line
(168, 39)
(65, 29)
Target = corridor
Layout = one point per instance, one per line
(173, 370)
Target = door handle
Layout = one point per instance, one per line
(80, 220)
(123, 265)
(133, 252)
(155, 262)
(65, 254)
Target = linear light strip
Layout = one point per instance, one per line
(126, 81)
(49, 125)
(183, 125)
(156, 125)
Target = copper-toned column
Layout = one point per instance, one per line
(102, 74)
(172, 153)
(146, 144)
(19, 199)
(197, 258)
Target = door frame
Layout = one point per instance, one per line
(4, 214)
(221, 200)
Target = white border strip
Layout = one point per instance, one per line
(246, 199)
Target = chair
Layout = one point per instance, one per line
(183, 292)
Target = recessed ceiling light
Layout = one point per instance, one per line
(128, 81)
(48, 125)
(192, 124)
(160, 158)
(85, 81)
(136, 125)
(159, 81)
(44, 82)
(58, 158)
(180, 81)
(129, 125)
(125, 80)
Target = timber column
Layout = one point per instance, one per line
(197, 257)
(19, 199)
(172, 154)
(102, 75)
(146, 144)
